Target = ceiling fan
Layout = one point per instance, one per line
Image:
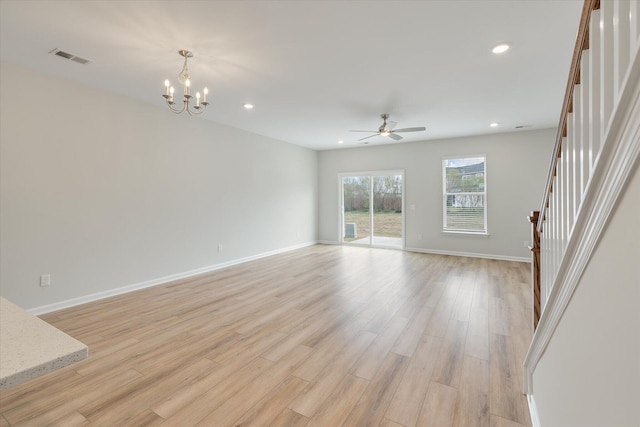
(386, 129)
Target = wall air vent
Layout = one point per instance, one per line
(70, 56)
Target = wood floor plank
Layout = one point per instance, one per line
(389, 423)
(408, 341)
(235, 406)
(323, 335)
(73, 419)
(439, 320)
(407, 401)
(439, 406)
(337, 407)
(477, 344)
(368, 364)
(499, 316)
(121, 407)
(271, 406)
(289, 418)
(146, 418)
(472, 407)
(448, 368)
(201, 406)
(375, 400)
(497, 421)
(43, 410)
(506, 395)
(335, 345)
(185, 394)
(313, 396)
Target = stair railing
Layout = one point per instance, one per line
(596, 149)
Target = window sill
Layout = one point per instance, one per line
(465, 233)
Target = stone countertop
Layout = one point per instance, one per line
(30, 347)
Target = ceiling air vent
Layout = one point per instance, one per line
(70, 56)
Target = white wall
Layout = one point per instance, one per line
(589, 375)
(103, 191)
(517, 166)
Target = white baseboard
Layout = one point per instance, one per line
(469, 254)
(158, 281)
(161, 280)
(533, 411)
(452, 253)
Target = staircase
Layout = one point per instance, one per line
(596, 151)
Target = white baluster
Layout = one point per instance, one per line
(606, 64)
(544, 289)
(561, 206)
(545, 268)
(585, 96)
(595, 131)
(634, 24)
(621, 41)
(576, 147)
(569, 181)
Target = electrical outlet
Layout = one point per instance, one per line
(419, 236)
(220, 247)
(45, 280)
(297, 234)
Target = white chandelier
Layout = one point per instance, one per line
(185, 79)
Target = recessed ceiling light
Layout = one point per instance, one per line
(248, 106)
(501, 48)
(494, 124)
(341, 142)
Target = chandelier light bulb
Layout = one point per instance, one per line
(166, 86)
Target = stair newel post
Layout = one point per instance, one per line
(535, 267)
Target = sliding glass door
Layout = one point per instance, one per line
(372, 209)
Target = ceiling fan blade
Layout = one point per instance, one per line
(372, 131)
(394, 136)
(367, 137)
(418, 129)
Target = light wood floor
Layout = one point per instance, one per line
(322, 336)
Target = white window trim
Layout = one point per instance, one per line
(447, 231)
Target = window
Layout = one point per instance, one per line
(464, 194)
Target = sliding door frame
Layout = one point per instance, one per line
(371, 174)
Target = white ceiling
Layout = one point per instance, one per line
(315, 69)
